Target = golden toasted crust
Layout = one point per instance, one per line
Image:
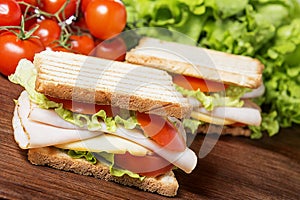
(166, 185)
(93, 80)
(197, 62)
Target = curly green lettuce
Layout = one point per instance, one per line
(231, 97)
(109, 159)
(265, 29)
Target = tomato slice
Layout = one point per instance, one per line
(149, 165)
(192, 83)
(85, 108)
(161, 131)
(238, 124)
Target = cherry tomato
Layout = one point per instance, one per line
(29, 23)
(31, 2)
(149, 165)
(105, 18)
(52, 6)
(85, 108)
(192, 83)
(83, 44)
(161, 131)
(114, 49)
(14, 49)
(10, 13)
(57, 47)
(48, 31)
(81, 24)
(84, 4)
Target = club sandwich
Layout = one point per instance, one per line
(112, 120)
(220, 86)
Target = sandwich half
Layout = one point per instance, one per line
(219, 86)
(115, 121)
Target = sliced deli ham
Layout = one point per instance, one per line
(249, 116)
(30, 134)
(36, 131)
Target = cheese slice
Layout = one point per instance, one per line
(206, 117)
(108, 143)
(31, 134)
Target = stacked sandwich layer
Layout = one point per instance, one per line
(219, 86)
(99, 81)
(94, 117)
(197, 62)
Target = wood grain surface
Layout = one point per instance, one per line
(237, 168)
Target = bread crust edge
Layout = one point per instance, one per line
(165, 185)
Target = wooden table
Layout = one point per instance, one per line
(237, 168)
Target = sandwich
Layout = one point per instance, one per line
(112, 120)
(220, 86)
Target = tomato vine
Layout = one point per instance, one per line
(63, 25)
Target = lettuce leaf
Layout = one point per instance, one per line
(25, 75)
(93, 158)
(82, 154)
(115, 171)
(192, 124)
(209, 102)
(269, 124)
(130, 123)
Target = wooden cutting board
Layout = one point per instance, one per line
(237, 168)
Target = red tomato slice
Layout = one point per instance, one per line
(149, 165)
(161, 131)
(192, 83)
(85, 108)
(238, 124)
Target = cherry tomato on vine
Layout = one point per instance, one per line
(105, 18)
(10, 13)
(114, 49)
(52, 6)
(48, 31)
(56, 46)
(80, 24)
(29, 23)
(31, 2)
(83, 44)
(84, 4)
(14, 49)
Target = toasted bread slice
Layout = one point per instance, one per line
(94, 80)
(166, 185)
(197, 62)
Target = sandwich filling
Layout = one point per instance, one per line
(216, 83)
(218, 103)
(132, 143)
